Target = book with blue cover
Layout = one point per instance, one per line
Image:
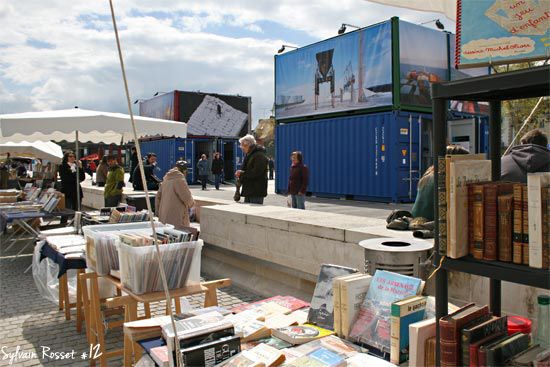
(403, 313)
(372, 326)
(327, 357)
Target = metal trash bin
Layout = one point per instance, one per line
(403, 256)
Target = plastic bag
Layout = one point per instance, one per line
(45, 277)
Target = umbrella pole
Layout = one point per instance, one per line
(77, 172)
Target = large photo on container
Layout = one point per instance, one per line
(349, 72)
(160, 107)
(423, 61)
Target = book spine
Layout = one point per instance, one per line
(490, 222)
(471, 220)
(337, 303)
(442, 207)
(458, 32)
(505, 228)
(395, 328)
(495, 326)
(449, 353)
(536, 203)
(525, 243)
(478, 219)
(546, 227)
(517, 237)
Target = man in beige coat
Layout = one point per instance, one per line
(173, 198)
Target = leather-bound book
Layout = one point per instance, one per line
(478, 220)
(505, 211)
(475, 358)
(490, 227)
(450, 327)
(546, 227)
(517, 235)
(525, 227)
(498, 354)
(475, 333)
(442, 208)
(471, 219)
(429, 357)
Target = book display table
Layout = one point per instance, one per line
(128, 301)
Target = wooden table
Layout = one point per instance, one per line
(95, 328)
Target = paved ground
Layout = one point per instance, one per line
(29, 323)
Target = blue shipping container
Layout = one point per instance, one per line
(378, 157)
(169, 151)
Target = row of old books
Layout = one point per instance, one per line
(128, 217)
(492, 220)
(472, 336)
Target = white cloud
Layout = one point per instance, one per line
(161, 53)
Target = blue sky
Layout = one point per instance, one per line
(57, 54)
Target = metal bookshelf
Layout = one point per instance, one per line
(527, 83)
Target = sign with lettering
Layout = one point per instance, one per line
(501, 32)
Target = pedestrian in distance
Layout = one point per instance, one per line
(202, 168)
(298, 180)
(174, 198)
(134, 162)
(253, 172)
(114, 184)
(69, 180)
(531, 156)
(271, 166)
(101, 172)
(217, 169)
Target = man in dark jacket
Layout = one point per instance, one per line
(133, 163)
(217, 169)
(531, 156)
(253, 173)
(149, 168)
(271, 166)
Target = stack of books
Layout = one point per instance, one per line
(472, 336)
(128, 217)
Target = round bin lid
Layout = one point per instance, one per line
(396, 244)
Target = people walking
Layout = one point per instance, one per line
(101, 172)
(134, 162)
(253, 173)
(531, 156)
(174, 198)
(298, 180)
(114, 184)
(202, 170)
(271, 166)
(67, 172)
(217, 169)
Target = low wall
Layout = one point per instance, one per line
(276, 250)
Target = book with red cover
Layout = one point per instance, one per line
(546, 227)
(471, 219)
(289, 302)
(474, 347)
(525, 227)
(450, 327)
(517, 235)
(475, 333)
(505, 211)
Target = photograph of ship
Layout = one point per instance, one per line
(348, 72)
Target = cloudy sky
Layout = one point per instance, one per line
(58, 54)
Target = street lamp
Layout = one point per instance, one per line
(157, 93)
(342, 29)
(138, 100)
(283, 47)
(438, 23)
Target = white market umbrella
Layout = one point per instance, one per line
(84, 125)
(38, 149)
(92, 126)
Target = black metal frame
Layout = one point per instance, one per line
(527, 83)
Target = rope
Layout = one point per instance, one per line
(437, 269)
(179, 361)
